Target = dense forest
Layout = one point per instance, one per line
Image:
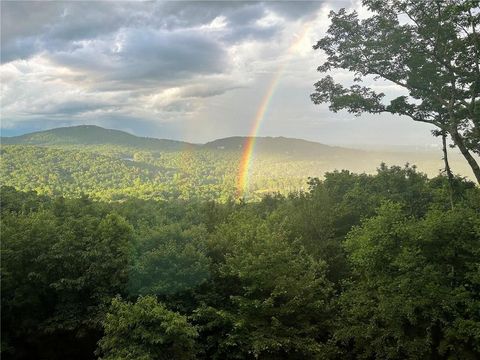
(355, 267)
(111, 165)
(118, 247)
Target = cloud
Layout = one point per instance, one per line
(71, 108)
(295, 10)
(145, 57)
(21, 48)
(90, 48)
(190, 69)
(53, 26)
(30, 27)
(35, 18)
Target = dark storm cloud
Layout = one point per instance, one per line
(163, 55)
(242, 23)
(241, 16)
(69, 20)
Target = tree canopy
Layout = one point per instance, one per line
(430, 49)
(358, 266)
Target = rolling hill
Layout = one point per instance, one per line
(96, 135)
(288, 147)
(92, 135)
(114, 165)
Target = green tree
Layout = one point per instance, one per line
(414, 293)
(275, 298)
(87, 266)
(146, 330)
(171, 268)
(62, 262)
(429, 48)
(26, 295)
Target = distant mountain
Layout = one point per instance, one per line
(290, 147)
(280, 147)
(108, 165)
(96, 135)
(92, 135)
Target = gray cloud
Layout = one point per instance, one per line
(129, 44)
(301, 9)
(71, 108)
(27, 18)
(28, 27)
(54, 25)
(139, 57)
(18, 48)
(193, 70)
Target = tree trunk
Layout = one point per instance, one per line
(447, 167)
(457, 139)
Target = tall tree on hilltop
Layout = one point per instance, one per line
(430, 48)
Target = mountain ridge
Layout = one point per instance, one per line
(91, 135)
(71, 161)
(96, 135)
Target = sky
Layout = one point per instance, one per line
(186, 70)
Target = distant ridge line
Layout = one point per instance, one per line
(97, 135)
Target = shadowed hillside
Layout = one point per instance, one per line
(289, 147)
(92, 135)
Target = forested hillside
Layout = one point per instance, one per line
(356, 267)
(113, 165)
(92, 135)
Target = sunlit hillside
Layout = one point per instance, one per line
(114, 165)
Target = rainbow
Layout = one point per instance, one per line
(249, 145)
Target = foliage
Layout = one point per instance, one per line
(277, 302)
(146, 330)
(110, 165)
(430, 49)
(61, 265)
(170, 263)
(415, 288)
(358, 266)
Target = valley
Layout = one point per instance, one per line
(112, 165)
